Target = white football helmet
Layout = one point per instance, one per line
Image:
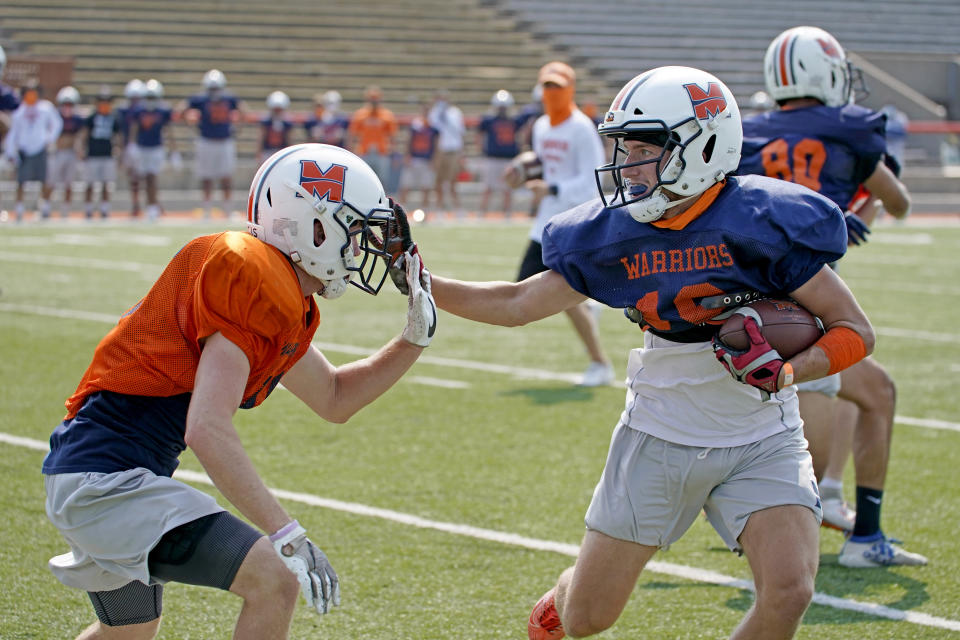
(278, 100)
(332, 100)
(688, 112)
(134, 90)
(68, 95)
(502, 99)
(214, 79)
(808, 62)
(152, 88)
(325, 208)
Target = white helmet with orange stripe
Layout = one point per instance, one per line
(808, 62)
(325, 208)
(692, 117)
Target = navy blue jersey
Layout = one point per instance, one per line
(150, 124)
(101, 437)
(831, 150)
(72, 123)
(423, 139)
(216, 115)
(9, 98)
(757, 235)
(273, 138)
(500, 136)
(333, 131)
(100, 131)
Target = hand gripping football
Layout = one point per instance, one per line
(525, 166)
(788, 327)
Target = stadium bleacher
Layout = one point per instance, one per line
(470, 47)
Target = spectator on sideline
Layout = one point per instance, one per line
(34, 127)
(103, 129)
(371, 132)
(569, 149)
(418, 161)
(153, 142)
(231, 315)
(447, 119)
(497, 137)
(275, 127)
(327, 124)
(219, 115)
(62, 165)
(704, 429)
(133, 92)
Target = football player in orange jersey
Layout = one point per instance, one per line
(231, 316)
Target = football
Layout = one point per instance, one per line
(788, 327)
(525, 166)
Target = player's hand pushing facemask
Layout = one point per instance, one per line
(421, 310)
(319, 583)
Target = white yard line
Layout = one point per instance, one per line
(491, 535)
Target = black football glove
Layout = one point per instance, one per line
(400, 243)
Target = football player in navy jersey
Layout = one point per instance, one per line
(218, 114)
(275, 127)
(819, 139)
(62, 164)
(705, 427)
(9, 98)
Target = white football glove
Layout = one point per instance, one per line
(319, 583)
(421, 310)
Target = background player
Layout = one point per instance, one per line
(569, 149)
(497, 136)
(327, 124)
(103, 128)
(62, 165)
(231, 315)
(34, 127)
(275, 128)
(418, 170)
(153, 143)
(819, 139)
(133, 92)
(677, 230)
(371, 133)
(218, 115)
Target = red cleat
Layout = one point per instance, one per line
(544, 623)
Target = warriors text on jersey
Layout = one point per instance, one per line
(130, 407)
(831, 150)
(749, 234)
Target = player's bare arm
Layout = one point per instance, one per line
(218, 391)
(826, 296)
(337, 393)
(508, 304)
(888, 188)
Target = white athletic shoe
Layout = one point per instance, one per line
(879, 553)
(837, 514)
(597, 374)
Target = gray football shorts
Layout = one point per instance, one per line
(827, 385)
(652, 490)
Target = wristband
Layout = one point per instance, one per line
(284, 530)
(787, 374)
(843, 348)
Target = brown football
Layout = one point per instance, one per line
(525, 166)
(788, 327)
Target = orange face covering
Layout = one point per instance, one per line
(104, 108)
(318, 112)
(558, 103)
(31, 96)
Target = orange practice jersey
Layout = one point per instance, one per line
(229, 282)
(373, 129)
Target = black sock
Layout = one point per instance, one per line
(868, 511)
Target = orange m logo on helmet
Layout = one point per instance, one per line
(706, 104)
(829, 48)
(323, 184)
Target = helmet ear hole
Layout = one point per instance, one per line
(318, 235)
(708, 148)
(269, 198)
